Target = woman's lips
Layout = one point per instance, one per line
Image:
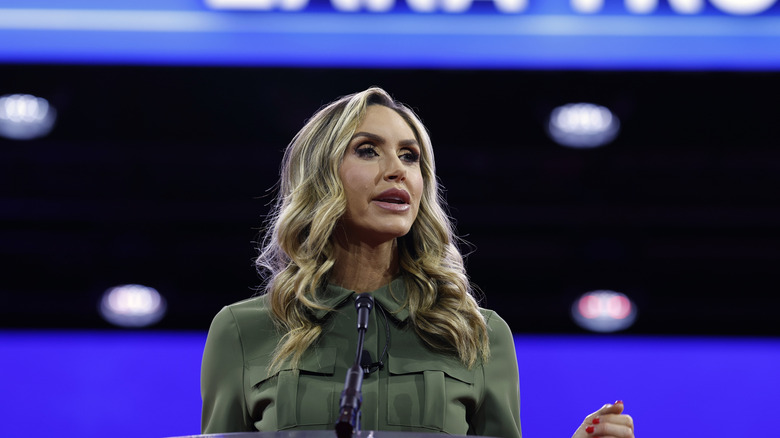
(392, 206)
(393, 199)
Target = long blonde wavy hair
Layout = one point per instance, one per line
(297, 253)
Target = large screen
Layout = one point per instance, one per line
(532, 34)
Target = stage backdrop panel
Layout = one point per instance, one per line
(535, 34)
(146, 384)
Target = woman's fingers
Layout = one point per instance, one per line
(612, 427)
(623, 420)
(615, 408)
(609, 422)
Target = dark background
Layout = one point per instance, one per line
(162, 176)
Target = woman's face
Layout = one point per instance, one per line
(381, 176)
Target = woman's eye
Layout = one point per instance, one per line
(366, 151)
(410, 156)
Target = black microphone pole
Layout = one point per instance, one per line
(351, 397)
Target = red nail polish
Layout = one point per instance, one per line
(619, 401)
(596, 420)
(589, 429)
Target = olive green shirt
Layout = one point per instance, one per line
(418, 389)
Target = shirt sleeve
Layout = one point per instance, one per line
(222, 378)
(499, 413)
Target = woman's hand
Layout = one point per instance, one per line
(607, 422)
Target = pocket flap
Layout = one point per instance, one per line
(449, 365)
(316, 360)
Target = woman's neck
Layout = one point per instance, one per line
(364, 268)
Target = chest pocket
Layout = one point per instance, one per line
(432, 392)
(307, 396)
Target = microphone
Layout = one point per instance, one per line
(351, 397)
(363, 303)
(368, 365)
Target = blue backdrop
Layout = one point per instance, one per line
(146, 384)
(544, 34)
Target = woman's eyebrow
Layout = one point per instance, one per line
(369, 135)
(380, 139)
(410, 142)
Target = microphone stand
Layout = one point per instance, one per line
(351, 397)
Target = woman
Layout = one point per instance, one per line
(359, 211)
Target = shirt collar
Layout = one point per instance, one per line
(390, 296)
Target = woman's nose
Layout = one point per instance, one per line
(395, 169)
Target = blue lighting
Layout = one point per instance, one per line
(146, 384)
(544, 35)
